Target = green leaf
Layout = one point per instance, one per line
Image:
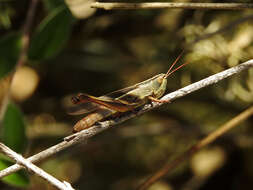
(18, 179)
(13, 134)
(51, 35)
(10, 46)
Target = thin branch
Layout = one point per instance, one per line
(98, 128)
(31, 167)
(23, 53)
(164, 170)
(26, 32)
(162, 5)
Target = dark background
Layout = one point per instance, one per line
(109, 50)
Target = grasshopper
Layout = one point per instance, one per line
(119, 101)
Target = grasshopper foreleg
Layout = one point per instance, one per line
(157, 100)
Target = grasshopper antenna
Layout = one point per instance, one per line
(169, 72)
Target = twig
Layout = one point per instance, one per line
(31, 167)
(26, 32)
(192, 150)
(85, 134)
(22, 57)
(162, 5)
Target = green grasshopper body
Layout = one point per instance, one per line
(154, 87)
(119, 101)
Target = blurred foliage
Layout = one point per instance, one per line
(13, 135)
(13, 129)
(108, 50)
(51, 34)
(9, 50)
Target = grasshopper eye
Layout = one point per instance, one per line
(78, 98)
(75, 99)
(160, 79)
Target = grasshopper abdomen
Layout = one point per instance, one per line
(92, 118)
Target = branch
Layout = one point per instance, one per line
(162, 5)
(98, 128)
(26, 32)
(195, 148)
(31, 167)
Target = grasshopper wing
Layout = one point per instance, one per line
(118, 93)
(106, 101)
(85, 103)
(82, 108)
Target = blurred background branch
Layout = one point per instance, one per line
(167, 168)
(163, 5)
